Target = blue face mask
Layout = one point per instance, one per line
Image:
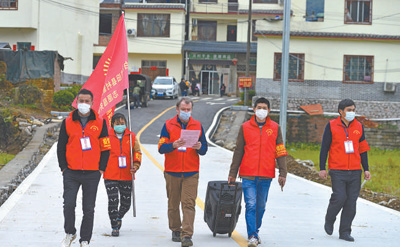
(119, 128)
(184, 116)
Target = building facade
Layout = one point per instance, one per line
(54, 25)
(338, 49)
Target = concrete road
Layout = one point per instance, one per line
(32, 216)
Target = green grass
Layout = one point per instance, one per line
(384, 166)
(5, 158)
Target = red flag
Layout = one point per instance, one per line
(110, 77)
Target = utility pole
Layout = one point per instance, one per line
(249, 24)
(285, 68)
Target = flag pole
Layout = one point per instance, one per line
(130, 145)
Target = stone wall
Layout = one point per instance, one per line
(371, 101)
(310, 129)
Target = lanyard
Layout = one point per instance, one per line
(346, 131)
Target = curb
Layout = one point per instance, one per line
(15, 171)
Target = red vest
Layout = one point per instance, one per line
(260, 149)
(89, 159)
(120, 148)
(177, 161)
(338, 158)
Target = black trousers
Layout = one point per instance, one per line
(73, 180)
(118, 191)
(346, 185)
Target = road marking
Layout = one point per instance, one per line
(231, 99)
(239, 239)
(206, 98)
(195, 98)
(219, 99)
(215, 103)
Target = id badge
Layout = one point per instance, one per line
(182, 149)
(348, 146)
(85, 144)
(122, 161)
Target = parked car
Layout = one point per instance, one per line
(165, 86)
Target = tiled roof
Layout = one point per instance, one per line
(211, 46)
(331, 35)
(153, 6)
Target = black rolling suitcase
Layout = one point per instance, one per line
(222, 206)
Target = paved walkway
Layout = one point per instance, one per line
(32, 216)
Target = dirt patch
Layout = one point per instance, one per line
(311, 174)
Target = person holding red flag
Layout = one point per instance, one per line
(118, 175)
(83, 152)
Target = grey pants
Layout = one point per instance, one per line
(346, 186)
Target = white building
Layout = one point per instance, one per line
(69, 27)
(339, 49)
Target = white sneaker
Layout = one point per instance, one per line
(68, 240)
(85, 244)
(253, 242)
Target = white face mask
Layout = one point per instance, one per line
(261, 113)
(184, 116)
(350, 115)
(83, 108)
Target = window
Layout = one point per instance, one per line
(296, 66)
(8, 4)
(151, 63)
(153, 25)
(358, 69)
(358, 11)
(265, 1)
(207, 30)
(231, 35)
(24, 46)
(315, 10)
(96, 59)
(208, 1)
(105, 23)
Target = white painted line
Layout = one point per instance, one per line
(194, 98)
(9, 204)
(206, 98)
(232, 99)
(212, 103)
(158, 135)
(218, 99)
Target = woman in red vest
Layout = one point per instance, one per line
(118, 175)
(344, 139)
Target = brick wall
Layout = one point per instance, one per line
(310, 129)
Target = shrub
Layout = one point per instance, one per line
(29, 95)
(63, 98)
(250, 94)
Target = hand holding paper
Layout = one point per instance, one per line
(190, 137)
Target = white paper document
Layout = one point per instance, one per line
(190, 137)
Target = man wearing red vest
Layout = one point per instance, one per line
(181, 170)
(83, 152)
(344, 139)
(258, 145)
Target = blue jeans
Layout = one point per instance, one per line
(255, 195)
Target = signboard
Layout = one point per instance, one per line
(211, 56)
(245, 82)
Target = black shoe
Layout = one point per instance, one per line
(186, 241)
(328, 228)
(176, 236)
(115, 232)
(346, 237)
